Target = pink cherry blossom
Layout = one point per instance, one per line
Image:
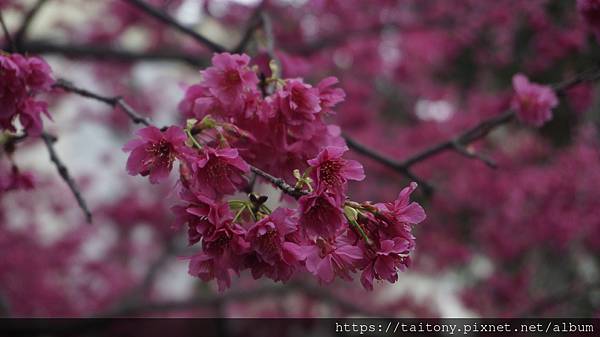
(21, 78)
(389, 257)
(153, 153)
(320, 214)
(326, 260)
(217, 171)
(402, 211)
(532, 102)
(332, 172)
(277, 256)
(230, 77)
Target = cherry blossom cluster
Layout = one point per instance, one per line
(21, 79)
(238, 125)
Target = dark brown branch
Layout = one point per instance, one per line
(106, 52)
(280, 183)
(115, 102)
(387, 161)
(9, 40)
(254, 23)
(460, 142)
(21, 33)
(64, 173)
(467, 137)
(170, 21)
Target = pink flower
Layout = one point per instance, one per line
(329, 95)
(154, 152)
(276, 256)
(31, 116)
(216, 172)
(38, 74)
(326, 260)
(199, 213)
(320, 214)
(331, 172)
(401, 211)
(230, 77)
(223, 251)
(388, 257)
(208, 268)
(299, 102)
(532, 102)
(199, 102)
(21, 79)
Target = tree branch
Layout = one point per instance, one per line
(387, 161)
(21, 33)
(9, 40)
(114, 102)
(460, 142)
(280, 183)
(106, 52)
(170, 21)
(64, 173)
(254, 23)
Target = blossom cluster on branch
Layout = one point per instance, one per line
(235, 121)
(21, 79)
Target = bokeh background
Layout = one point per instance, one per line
(519, 240)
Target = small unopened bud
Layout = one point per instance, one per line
(351, 213)
(190, 123)
(296, 174)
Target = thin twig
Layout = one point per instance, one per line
(107, 52)
(477, 132)
(115, 101)
(64, 173)
(280, 183)
(170, 21)
(460, 142)
(9, 40)
(254, 23)
(483, 128)
(387, 161)
(21, 33)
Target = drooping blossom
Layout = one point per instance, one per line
(216, 171)
(21, 79)
(402, 211)
(223, 251)
(532, 102)
(153, 153)
(329, 95)
(389, 230)
(388, 257)
(332, 172)
(320, 214)
(326, 259)
(199, 213)
(277, 256)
